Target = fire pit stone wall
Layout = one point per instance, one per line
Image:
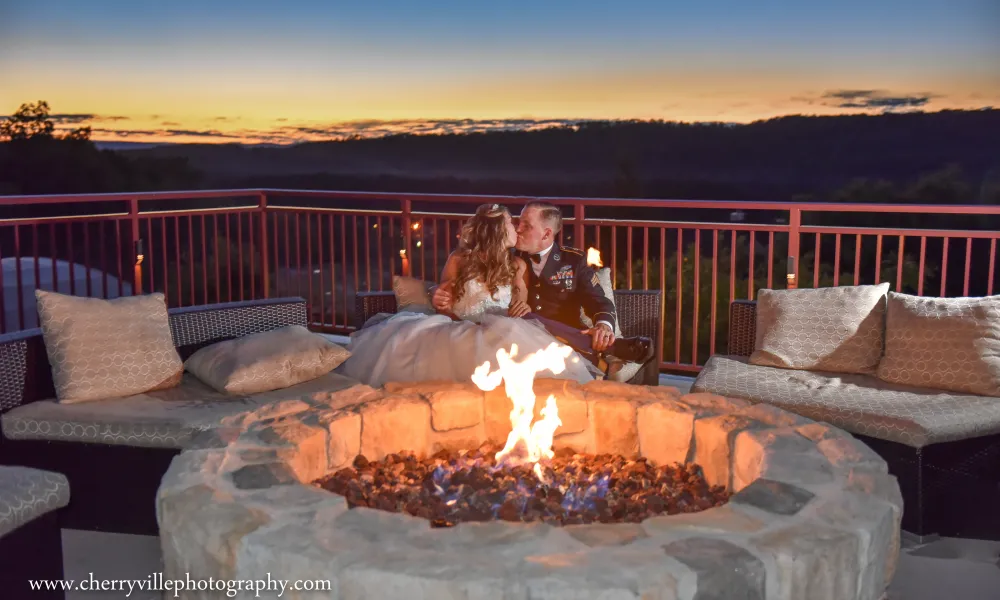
(814, 515)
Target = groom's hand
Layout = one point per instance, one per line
(518, 309)
(601, 337)
(442, 299)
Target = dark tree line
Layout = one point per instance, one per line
(948, 157)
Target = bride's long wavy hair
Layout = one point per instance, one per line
(484, 251)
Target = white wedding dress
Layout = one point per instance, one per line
(413, 346)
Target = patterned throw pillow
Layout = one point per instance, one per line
(629, 370)
(835, 329)
(412, 294)
(943, 343)
(271, 360)
(103, 349)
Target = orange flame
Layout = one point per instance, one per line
(594, 257)
(526, 443)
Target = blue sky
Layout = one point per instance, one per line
(266, 67)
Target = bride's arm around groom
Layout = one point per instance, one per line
(444, 293)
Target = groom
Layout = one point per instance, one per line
(560, 283)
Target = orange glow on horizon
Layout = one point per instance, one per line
(236, 108)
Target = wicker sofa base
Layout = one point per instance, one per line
(113, 488)
(950, 489)
(32, 552)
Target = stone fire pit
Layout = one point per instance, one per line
(814, 515)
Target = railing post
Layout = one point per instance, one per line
(794, 222)
(578, 216)
(133, 215)
(264, 271)
(407, 207)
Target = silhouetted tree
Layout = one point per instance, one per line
(35, 160)
(989, 189)
(946, 186)
(32, 121)
(866, 191)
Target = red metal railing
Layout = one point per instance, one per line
(232, 245)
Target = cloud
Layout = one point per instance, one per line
(194, 133)
(374, 128)
(875, 100)
(77, 119)
(287, 132)
(369, 128)
(71, 119)
(124, 132)
(105, 133)
(67, 121)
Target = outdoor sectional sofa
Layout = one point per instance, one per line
(942, 445)
(114, 452)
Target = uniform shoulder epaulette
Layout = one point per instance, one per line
(572, 250)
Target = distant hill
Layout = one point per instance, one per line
(775, 158)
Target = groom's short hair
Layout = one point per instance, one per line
(549, 213)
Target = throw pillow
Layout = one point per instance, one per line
(266, 361)
(834, 329)
(943, 343)
(101, 349)
(628, 370)
(412, 294)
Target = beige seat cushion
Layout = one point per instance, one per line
(266, 361)
(160, 419)
(837, 329)
(27, 494)
(102, 349)
(860, 404)
(943, 343)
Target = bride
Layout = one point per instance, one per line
(489, 286)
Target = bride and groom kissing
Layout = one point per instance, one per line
(506, 284)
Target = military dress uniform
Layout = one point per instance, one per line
(564, 285)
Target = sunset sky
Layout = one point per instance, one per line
(255, 71)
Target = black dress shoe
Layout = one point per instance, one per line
(633, 349)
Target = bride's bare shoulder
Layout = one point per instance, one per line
(520, 265)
